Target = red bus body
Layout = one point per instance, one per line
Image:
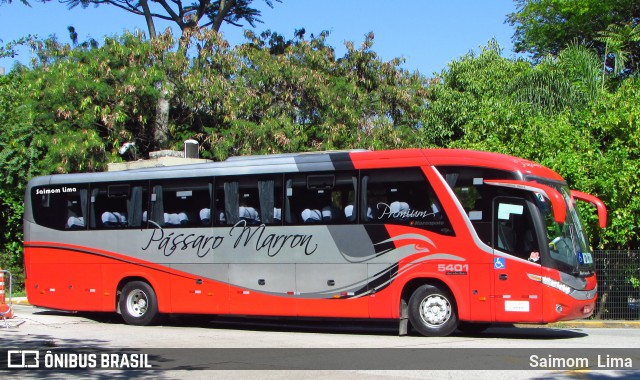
(367, 265)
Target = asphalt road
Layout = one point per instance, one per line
(196, 347)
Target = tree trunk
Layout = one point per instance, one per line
(147, 16)
(225, 7)
(161, 123)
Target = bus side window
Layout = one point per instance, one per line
(514, 230)
(248, 199)
(270, 200)
(61, 207)
(118, 206)
(76, 212)
(181, 203)
(402, 197)
(317, 198)
(476, 198)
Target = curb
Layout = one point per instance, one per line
(594, 324)
(20, 301)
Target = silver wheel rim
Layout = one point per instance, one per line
(435, 310)
(137, 303)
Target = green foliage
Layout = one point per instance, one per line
(620, 42)
(554, 113)
(545, 27)
(569, 80)
(614, 122)
(276, 95)
(85, 100)
(17, 154)
(11, 210)
(469, 105)
(16, 162)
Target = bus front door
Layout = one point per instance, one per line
(516, 262)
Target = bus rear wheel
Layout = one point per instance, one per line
(138, 304)
(432, 311)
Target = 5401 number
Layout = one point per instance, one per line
(454, 268)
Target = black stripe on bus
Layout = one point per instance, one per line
(341, 161)
(378, 233)
(383, 279)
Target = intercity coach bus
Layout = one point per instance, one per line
(437, 239)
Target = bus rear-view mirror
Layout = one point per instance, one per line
(602, 209)
(557, 201)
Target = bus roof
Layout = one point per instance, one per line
(452, 157)
(317, 161)
(449, 157)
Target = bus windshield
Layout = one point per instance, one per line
(568, 242)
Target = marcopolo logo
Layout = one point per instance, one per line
(71, 360)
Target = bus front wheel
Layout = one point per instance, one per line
(138, 304)
(432, 311)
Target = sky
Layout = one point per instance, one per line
(428, 34)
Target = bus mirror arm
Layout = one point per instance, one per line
(557, 200)
(602, 209)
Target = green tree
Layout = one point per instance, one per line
(295, 95)
(469, 102)
(267, 95)
(18, 160)
(545, 27)
(86, 101)
(554, 113)
(569, 80)
(614, 121)
(189, 18)
(620, 43)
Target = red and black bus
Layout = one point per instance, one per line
(438, 238)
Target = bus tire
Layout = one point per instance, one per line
(432, 311)
(138, 304)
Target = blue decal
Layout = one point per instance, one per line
(580, 258)
(499, 263)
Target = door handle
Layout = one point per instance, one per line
(503, 277)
